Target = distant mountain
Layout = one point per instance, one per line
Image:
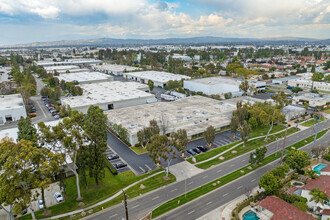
(192, 40)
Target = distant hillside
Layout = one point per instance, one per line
(193, 40)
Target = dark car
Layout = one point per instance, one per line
(197, 151)
(113, 156)
(190, 151)
(120, 165)
(202, 148)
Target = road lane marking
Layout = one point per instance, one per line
(190, 183)
(173, 190)
(253, 180)
(135, 206)
(113, 216)
(208, 203)
(142, 169)
(243, 160)
(155, 198)
(205, 177)
(191, 212)
(239, 187)
(232, 165)
(225, 194)
(219, 171)
(41, 109)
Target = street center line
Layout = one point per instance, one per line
(174, 190)
(225, 194)
(219, 171)
(135, 206)
(113, 216)
(253, 180)
(191, 212)
(155, 198)
(205, 176)
(190, 183)
(208, 203)
(239, 187)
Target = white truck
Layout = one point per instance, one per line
(167, 97)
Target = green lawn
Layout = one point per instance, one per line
(312, 122)
(241, 149)
(111, 185)
(172, 204)
(216, 151)
(327, 111)
(139, 150)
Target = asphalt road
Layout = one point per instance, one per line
(140, 206)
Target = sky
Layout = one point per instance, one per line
(25, 21)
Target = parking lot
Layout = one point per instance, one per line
(108, 152)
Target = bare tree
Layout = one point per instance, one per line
(163, 123)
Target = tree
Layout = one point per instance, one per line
(270, 182)
(209, 135)
(180, 140)
(244, 130)
(297, 159)
(160, 148)
(296, 90)
(318, 196)
(151, 85)
(45, 91)
(318, 151)
(26, 130)
(311, 173)
(163, 123)
(244, 87)
(234, 124)
(317, 77)
(145, 134)
(253, 122)
(258, 155)
(95, 127)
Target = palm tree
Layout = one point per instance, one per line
(318, 196)
(312, 174)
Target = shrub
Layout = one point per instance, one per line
(112, 169)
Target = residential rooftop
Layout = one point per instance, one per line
(322, 182)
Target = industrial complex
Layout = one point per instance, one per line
(114, 69)
(159, 78)
(109, 95)
(85, 77)
(12, 108)
(193, 113)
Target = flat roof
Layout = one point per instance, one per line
(158, 76)
(11, 102)
(191, 113)
(82, 77)
(286, 78)
(67, 62)
(68, 67)
(291, 108)
(216, 80)
(107, 92)
(116, 68)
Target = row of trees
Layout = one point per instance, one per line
(33, 162)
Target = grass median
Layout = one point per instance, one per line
(241, 149)
(172, 204)
(216, 151)
(312, 122)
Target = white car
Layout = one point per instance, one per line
(58, 197)
(40, 204)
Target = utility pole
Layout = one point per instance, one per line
(286, 130)
(317, 128)
(125, 204)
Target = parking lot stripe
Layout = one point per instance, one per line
(142, 169)
(148, 167)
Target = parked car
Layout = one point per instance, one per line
(58, 197)
(190, 151)
(40, 204)
(56, 116)
(120, 165)
(197, 151)
(202, 148)
(113, 157)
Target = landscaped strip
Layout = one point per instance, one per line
(312, 122)
(241, 149)
(172, 204)
(216, 151)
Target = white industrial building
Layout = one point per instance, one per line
(109, 95)
(292, 112)
(12, 108)
(219, 85)
(115, 69)
(68, 62)
(160, 79)
(309, 84)
(284, 80)
(85, 77)
(61, 69)
(313, 99)
(193, 113)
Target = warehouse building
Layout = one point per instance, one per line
(309, 84)
(68, 62)
(292, 112)
(160, 79)
(313, 99)
(61, 69)
(85, 77)
(193, 113)
(12, 108)
(284, 80)
(114, 69)
(220, 85)
(109, 95)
